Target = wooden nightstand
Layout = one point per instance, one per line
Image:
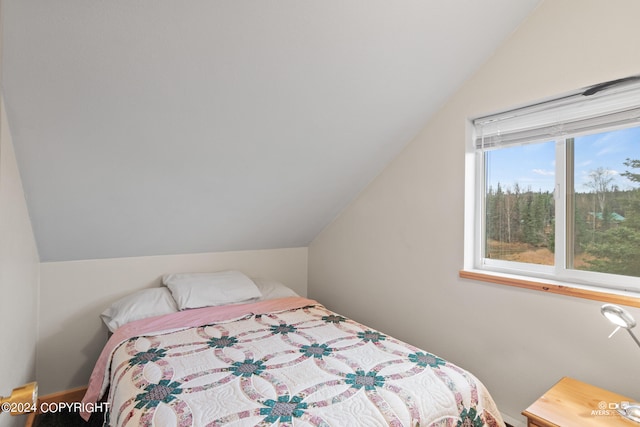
(571, 403)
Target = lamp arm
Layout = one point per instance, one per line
(634, 337)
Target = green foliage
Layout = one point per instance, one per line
(617, 252)
(633, 164)
(615, 248)
(516, 216)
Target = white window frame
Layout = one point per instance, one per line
(585, 119)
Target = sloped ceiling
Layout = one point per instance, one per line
(148, 127)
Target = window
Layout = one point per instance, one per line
(554, 189)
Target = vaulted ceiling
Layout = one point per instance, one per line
(153, 127)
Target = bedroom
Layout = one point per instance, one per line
(375, 261)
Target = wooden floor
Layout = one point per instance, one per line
(62, 418)
(67, 419)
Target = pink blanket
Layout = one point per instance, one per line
(99, 379)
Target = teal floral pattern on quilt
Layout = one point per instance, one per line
(154, 394)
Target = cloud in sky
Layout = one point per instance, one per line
(544, 172)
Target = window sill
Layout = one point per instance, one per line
(615, 297)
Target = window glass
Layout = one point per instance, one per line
(519, 203)
(606, 203)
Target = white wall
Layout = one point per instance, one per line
(18, 278)
(18, 275)
(392, 258)
(74, 293)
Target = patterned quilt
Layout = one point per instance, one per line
(304, 366)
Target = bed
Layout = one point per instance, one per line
(276, 359)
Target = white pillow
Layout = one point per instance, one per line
(272, 289)
(139, 305)
(193, 290)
